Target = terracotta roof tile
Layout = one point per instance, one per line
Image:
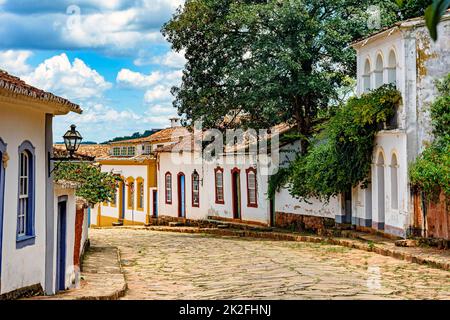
(18, 86)
(165, 135)
(94, 150)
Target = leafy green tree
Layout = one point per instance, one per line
(269, 61)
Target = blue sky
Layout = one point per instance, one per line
(107, 55)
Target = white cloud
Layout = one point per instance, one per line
(101, 123)
(137, 79)
(75, 81)
(158, 93)
(172, 59)
(117, 27)
(15, 61)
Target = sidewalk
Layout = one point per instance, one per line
(358, 240)
(102, 277)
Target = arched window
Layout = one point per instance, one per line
(195, 190)
(252, 195)
(380, 190)
(131, 192)
(140, 194)
(26, 196)
(168, 188)
(379, 72)
(392, 68)
(218, 173)
(394, 182)
(366, 76)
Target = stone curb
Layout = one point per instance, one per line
(116, 295)
(278, 236)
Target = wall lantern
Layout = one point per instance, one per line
(72, 141)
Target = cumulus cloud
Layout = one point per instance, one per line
(118, 26)
(172, 59)
(75, 81)
(101, 123)
(15, 61)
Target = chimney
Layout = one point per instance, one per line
(174, 122)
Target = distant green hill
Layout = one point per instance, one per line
(136, 135)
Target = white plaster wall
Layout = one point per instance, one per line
(389, 142)
(285, 203)
(186, 163)
(384, 46)
(242, 162)
(22, 267)
(134, 171)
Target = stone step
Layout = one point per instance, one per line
(176, 224)
(221, 224)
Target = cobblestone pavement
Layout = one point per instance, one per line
(162, 265)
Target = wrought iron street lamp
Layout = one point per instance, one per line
(72, 141)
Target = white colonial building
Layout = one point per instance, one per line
(406, 57)
(37, 221)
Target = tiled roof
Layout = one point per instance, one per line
(90, 151)
(188, 143)
(165, 135)
(138, 158)
(18, 86)
(413, 22)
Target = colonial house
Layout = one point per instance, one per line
(230, 185)
(403, 55)
(37, 218)
(135, 201)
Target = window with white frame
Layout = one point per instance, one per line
(116, 151)
(148, 149)
(24, 183)
(131, 151)
(392, 68)
(123, 151)
(195, 189)
(379, 72)
(168, 188)
(219, 186)
(251, 188)
(25, 205)
(366, 77)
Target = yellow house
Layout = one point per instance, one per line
(136, 198)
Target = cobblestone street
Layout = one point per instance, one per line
(181, 266)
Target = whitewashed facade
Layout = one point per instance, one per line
(28, 228)
(405, 56)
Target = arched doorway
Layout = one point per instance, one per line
(394, 183)
(181, 195)
(381, 191)
(236, 191)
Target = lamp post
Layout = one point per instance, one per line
(72, 141)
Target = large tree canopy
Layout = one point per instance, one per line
(272, 60)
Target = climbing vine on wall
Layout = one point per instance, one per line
(92, 185)
(341, 155)
(430, 173)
